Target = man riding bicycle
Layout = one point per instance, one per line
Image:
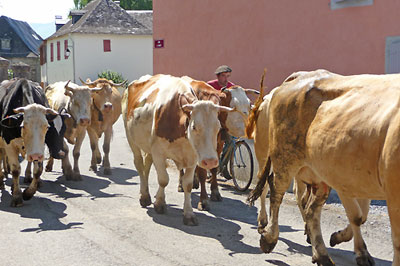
(223, 73)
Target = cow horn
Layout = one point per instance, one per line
(118, 84)
(67, 87)
(251, 91)
(88, 84)
(95, 89)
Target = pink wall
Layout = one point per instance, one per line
(284, 36)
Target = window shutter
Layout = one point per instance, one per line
(58, 51)
(51, 52)
(65, 48)
(107, 45)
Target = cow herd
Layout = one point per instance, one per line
(321, 129)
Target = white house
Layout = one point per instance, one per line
(102, 36)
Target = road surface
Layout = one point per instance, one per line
(99, 221)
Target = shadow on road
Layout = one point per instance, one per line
(119, 175)
(339, 256)
(229, 208)
(226, 232)
(48, 211)
(91, 185)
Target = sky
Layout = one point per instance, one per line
(40, 14)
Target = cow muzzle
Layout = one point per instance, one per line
(209, 163)
(107, 107)
(35, 157)
(84, 122)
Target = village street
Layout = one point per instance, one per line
(99, 221)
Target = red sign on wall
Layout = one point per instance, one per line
(158, 43)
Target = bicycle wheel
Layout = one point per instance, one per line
(241, 166)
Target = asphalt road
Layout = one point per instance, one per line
(99, 221)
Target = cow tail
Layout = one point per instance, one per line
(251, 120)
(262, 179)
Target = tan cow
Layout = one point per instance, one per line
(341, 132)
(164, 120)
(77, 101)
(105, 110)
(232, 123)
(257, 128)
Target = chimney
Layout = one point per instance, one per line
(59, 22)
(76, 15)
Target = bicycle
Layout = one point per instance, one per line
(238, 154)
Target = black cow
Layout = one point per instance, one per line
(26, 119)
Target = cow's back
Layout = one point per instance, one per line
(152, 110)
(336, 125)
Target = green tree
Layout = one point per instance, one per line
(125, 4)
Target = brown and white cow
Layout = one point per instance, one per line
(232, 123)
(164, 120)
(335, 131)
(105, 110)
(77, 101)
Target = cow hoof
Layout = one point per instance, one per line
(365, 260)
(180, 188)
(27, 195)
(215, 196)
(93, 168)
(203, 205)
(107, 171)
(27, 179)
(308, 239)
(76, 177)
(190, 220)
(323, 260)
(265, 246)
(334, 239)
(48, 168)
(17, 201)
(160, 208)
(145, 201)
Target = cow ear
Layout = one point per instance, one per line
(225, 109)
(215, 99)
(251, 91)
(185, 103)
(68, 93)
(12, 121)
(187, 108)
(64, 114)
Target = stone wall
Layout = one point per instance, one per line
(4, 65)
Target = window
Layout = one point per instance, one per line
(65, 49)
(6, 44)
(58, 51)
(392, 55)
(107, 45)
(337, 4)
(51, 52)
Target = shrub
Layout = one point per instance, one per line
(111, 75)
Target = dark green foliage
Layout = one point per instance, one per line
(137, 4)
(111, 75)
(125, 4)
